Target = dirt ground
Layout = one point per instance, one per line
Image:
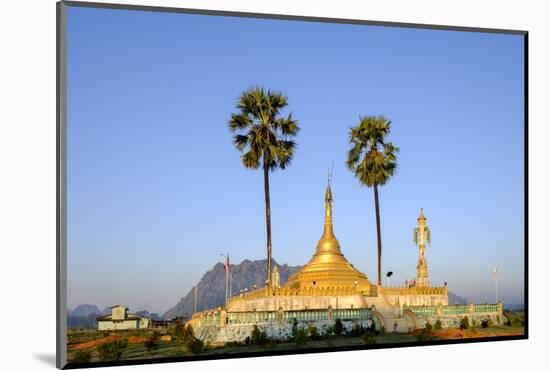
(96, 342)
(477, 333)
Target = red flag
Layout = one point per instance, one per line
(227, 264)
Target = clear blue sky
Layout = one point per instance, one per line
(156, 191)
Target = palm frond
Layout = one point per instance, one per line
(260, 128)
(372, 160)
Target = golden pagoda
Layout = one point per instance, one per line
(328, 268)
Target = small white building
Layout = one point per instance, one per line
(120, 319)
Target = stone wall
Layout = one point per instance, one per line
(450, 316)
(273, 330)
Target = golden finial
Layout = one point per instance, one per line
(421, 214)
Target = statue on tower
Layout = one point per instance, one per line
(421, 235)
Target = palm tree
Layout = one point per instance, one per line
(373, 162)
(265, 137)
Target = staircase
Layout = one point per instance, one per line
(390, 314)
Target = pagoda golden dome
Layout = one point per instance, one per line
(328, 267)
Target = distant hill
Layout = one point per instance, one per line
(211, 287)
(456, 299)
(151, 315)
(85, 310)
(81, 321)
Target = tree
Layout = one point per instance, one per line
(373, 161)
(265, 137)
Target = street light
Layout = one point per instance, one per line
(226, 266)
(495, 275)
(388, 275)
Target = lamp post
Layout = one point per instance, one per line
(388, 275)
(226, 265)
(495, 275)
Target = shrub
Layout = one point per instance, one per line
(464, 323)
(357, 330)
(300, 337)
(329, 331)
(152, 343)
(369, 339)
(371, 328)
(182, 331)
(195, 345)
(294, 327)
(81, 357)
(485, 323)
(473, 324)
(314, 333)
(338, 327)
(259, 336)
(518, 321)
(438, 325)
(112, 351)
(428, 326)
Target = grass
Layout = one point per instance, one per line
(175, 348)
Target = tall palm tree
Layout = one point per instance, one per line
(265, 137)
(373, 162)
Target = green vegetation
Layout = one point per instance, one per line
(369, 338)
(313, 332)
(425, 334)
(81, 357)
(329, 332)
(187, 345)
(267, 138)
(515, 318)
(301, 337)
(464, 323)
(438, 325)
(259, 336)
(152, 343)
(112, 351)
(373, 161)
(338, 327)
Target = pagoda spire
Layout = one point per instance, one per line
(328, 242)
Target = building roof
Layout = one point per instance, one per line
(130, 317)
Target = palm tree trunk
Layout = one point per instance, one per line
(377, 206)
(267, 220)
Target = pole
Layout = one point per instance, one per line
(226, 286)
(495, 272)
(226, 265)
